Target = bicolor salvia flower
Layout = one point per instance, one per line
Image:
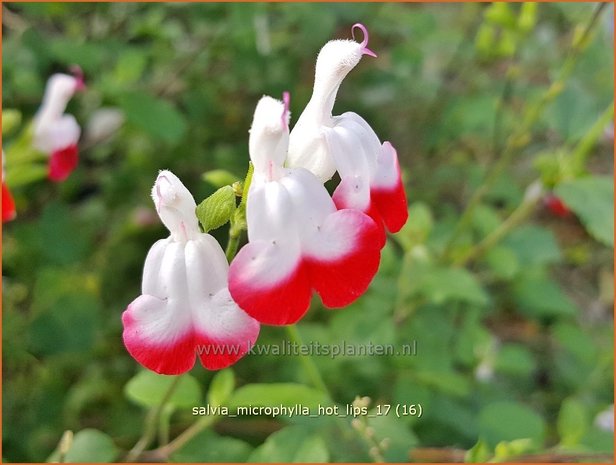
(185, 309)
(56, 133)
(298, 240)
(8, 204)
(322, 143)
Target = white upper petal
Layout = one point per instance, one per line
(175, 206)
(269, 136)
(307, 146)
(53, 130)
(270, 213)
(206, 268)
(308, 149)
(151, 283)
(335, 60)
(310, 200)
(59, 90)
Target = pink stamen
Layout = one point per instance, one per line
(77, 73)
(286, 98)
(364, 44)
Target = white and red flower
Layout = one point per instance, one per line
(299, 242)
(185, 309)
(56, 133)
(369, 171)
(8, 204)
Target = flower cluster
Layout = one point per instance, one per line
(54, 134)
(300, 239)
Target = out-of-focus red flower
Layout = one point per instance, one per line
(556, 206)
(55, 132)
(8, 204)
(63, 162)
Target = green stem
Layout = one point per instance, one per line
(163, 426)
(233, 243)
(238, 219)
(583, 148)
(517, 216)
(151, 423)
(308, 363)
(521, 137)
(163, 453)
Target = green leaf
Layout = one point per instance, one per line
(25, 174)
(479, 453)
(448, 382)
(11, 119)
(539, 296)
(147, 389)
(157, 117)
(515, 359)
(399, 436)
(500, 14)
(485, 220)
(217, 209)
(592, 200)
(440, 285)
(221, 387)
(572, 422)
(219, 178)
(65, 327)
(417, 228)
(208, 447)
(88, 55)
(503, 262)
(528, 16)
(533, 245)
(130, 66)
(578, 343)
(91, 445)
(293, 444)
(507, 421)
(506, 450)
(287, 394)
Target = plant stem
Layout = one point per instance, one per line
(309, 366)
(585, 145)
(183, 438)
(151, 423)
(513, 220)
(521, 137)
(232, 243)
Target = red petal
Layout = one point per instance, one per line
(215, 355)
(8, 204)
(62, 163)
(281, 303)
(171, 358)
(391, 205)
(340, 282)
(556, 206)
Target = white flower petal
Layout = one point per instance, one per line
(51, 135)
(175, 206)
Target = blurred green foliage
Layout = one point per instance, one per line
(515, 348)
